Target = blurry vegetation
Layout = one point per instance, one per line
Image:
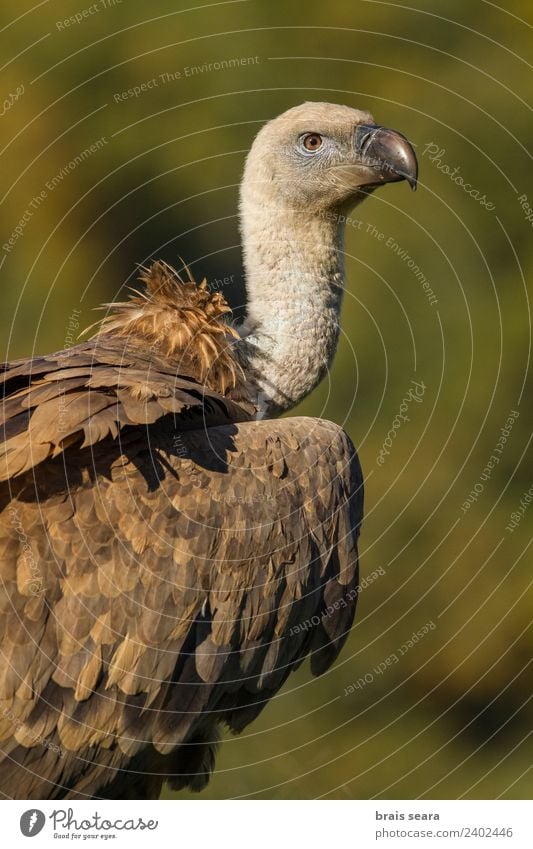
(453, 715)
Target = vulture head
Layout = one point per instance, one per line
(323, 157)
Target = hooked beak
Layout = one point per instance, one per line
(387, 155)
(381, 156)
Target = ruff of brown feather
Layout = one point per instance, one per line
(180, 320)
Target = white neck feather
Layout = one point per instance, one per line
(294, 280)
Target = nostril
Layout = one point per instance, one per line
(364, 134)
(365, 141)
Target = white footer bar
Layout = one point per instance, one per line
(270, 824)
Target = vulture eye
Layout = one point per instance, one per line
(312, 142)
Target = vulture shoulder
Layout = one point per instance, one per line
(166, 560)
(165, 351)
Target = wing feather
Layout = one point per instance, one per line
(157, 609)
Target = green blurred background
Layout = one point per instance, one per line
(452, 717)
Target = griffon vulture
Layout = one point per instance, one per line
(164, 538)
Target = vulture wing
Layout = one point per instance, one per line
(166, 562)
